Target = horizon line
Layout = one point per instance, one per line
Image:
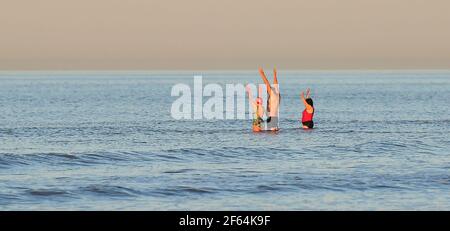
(231, 70)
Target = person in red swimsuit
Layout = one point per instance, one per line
(308, 113)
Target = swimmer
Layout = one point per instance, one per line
(308, 113)
(273, 100)
(258, 110)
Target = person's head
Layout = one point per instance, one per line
(310, 102)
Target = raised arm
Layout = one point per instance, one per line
(275, 80)
(264, 78)
(302, 97)
(308, 93)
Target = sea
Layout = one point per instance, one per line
(107, 140)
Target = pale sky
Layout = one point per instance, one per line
(224, 34)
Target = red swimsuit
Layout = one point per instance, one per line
(307, 116)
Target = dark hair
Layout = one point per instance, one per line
(310, 102)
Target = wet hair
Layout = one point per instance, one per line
(310, 102)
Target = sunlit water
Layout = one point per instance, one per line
(107, 141)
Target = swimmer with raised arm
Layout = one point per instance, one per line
(273, 100)
(308, 113)
(258, 110)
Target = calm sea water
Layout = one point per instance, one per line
(106, 141)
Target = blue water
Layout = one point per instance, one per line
(107, 141)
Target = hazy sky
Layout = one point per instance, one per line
(225, 34)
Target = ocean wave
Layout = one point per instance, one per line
(111, 190)
(47, 192)
(233, 153)
(8, 198)
(8, 160)
(183, 191)
(184, 170)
